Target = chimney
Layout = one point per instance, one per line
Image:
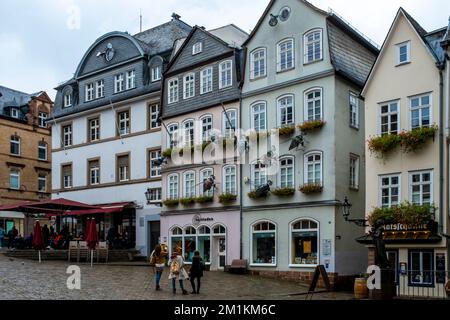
(175, 16)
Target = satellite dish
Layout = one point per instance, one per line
(273, 20)
(297, 142)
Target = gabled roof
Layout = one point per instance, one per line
(231, 34)
(14, 98)
(428, 39)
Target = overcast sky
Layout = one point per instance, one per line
(41, 41)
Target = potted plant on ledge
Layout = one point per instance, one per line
(311, 188)
(171, 202)
(226, 198)
(187, 201)
(204, 199)
(283, 192)
(311, 125)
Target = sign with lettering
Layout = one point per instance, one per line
(406, 227)
(197, 219)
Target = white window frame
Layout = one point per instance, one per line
(197, 48)
(125, 121)
(173, 135)
(388, 114)
(188, 139)
(42, 118)
(259, 112)
(89, 92)
(307, 163)
(155, 195)
(229, 174)
(15, 140)
(354, 167)
(14, 113)
(354, 110)
(156, 73)
(225, 74)
(67, 135)
(281, 107)
(94, 129)
(42, 177)
(119, 83)
(398, 46)
(130, 80)
(204, 175)
(307, 43)
(189, 85)
(172, 92)
(189, 185)
(313, 100)
(423, 269)
(14, 173)
(259, 169)
(252, 232)
(421, 183)
(154, 155)
(420, 108)
(99, 89)
(258, 57)
(232, 115)
(292, 230)
(124, 171)
(390, 187)
(207, 127)
(206, 80)
(42, 146)
(281, 175)
(94, 172)
(173, 187)
(154, 114)
(67, 100)
(290, 64)
(68, 179)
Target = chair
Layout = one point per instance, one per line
(83, 251)
(102, 251)
(73, 250)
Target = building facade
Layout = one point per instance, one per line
(304, 71)
(106, 132)
(200, 111)
(407, 107)
(25, 158)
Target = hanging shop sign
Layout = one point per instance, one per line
(406, 227)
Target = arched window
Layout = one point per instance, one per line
(259, 121)
(172, 135)
(189, 184)
(229, 122)
(190, 243)
(229, 179)
(258, 63)
(264, 242)
(204, 175)
(304, 236)
(286, 172)
(313, 104)
(188, 133)
(176, 240)
(172, 187)
(285, 55)
(207, 124)
(189, 86)
(259, 175)
(285, 107)
(313, 168)
(312, 44)
(219, 229)
(204, 243)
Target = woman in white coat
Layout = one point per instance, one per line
(177, 272)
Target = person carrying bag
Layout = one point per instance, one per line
(158, 260)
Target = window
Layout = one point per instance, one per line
(264, 244)
(155, 195)
(403, 53)
(42, 119)
(287, 172)
(206, 80)
(188, 133)
(42, 151)
(390, 191)
(156, 73)
(67, 100)
(392, 256)
(15, 145)
(94, 172)
(176, 240)
(229, 120)
(123, 168)
(285, 110)
(313, 168)
(204, 175)
(172, 191)
(389, 118)
(67, 176)
(124, 122)
(155, 171)
(229, 178)
(304, 243)
(89, 92)
(258, 63)
(206, 128)
(118, 83)
(189, 185)
(154, 115)
(197, 48)
(42, 182)
(312, 43)
(173, 136)
(99, 89)
(190, 243)
(219, 230)
(420, 111)
(225, 74)
(189, 86)
(131, 79)
(354, 171)
(94, 129)
(354, 111)
(421, 188)
(421, 268)
(173, 90)
(259, 175)
(259, 116)
(67, 135)
(14, 113)
(285, 60)
(204, 243)
(313, 105)
(14, 179)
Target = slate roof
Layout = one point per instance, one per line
(13, 98)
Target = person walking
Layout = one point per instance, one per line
(177, 272)
(46, 236)
(158, 260)
(2, 236)
(196, 272)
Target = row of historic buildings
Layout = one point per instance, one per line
(244, 146)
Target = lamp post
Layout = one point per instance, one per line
(388, 287)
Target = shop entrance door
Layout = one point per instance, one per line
(153, 234)
(221, 252)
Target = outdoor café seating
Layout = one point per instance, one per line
(102, 251)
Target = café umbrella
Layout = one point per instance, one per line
(92, 237)
(38, 239)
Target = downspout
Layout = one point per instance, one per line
(241, 202)
(441, 148)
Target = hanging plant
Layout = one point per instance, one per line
(171, 202)
(283, 192)
(167, 153)
(417, 138)
(204, 199)
(311, 188)
(311, 125)
(405, 213)
(286, 130)
(225, 198)
(187, 201)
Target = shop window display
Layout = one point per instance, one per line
(304, 237)
(264, 243)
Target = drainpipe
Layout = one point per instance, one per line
(441, 148)
(241, 215)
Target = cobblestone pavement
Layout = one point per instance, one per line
(24, 279)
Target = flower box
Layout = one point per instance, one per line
(171, 202)
(283, 192)
(286, 130)
(311, 188)
(254, 195)
(204, 199)
(414, 140)
(311, 125)
(227, 198)
(187, 201)
(405, 213)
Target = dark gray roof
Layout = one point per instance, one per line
(446, 40)
(161, 38)
(12, 98)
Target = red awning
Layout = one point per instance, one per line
(55, 206)
(109, 208)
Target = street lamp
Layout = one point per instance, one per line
(148, 195)
(346, 206)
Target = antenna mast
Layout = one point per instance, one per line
(140, 20)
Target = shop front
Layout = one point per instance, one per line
(215, 235)
(9, 221)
